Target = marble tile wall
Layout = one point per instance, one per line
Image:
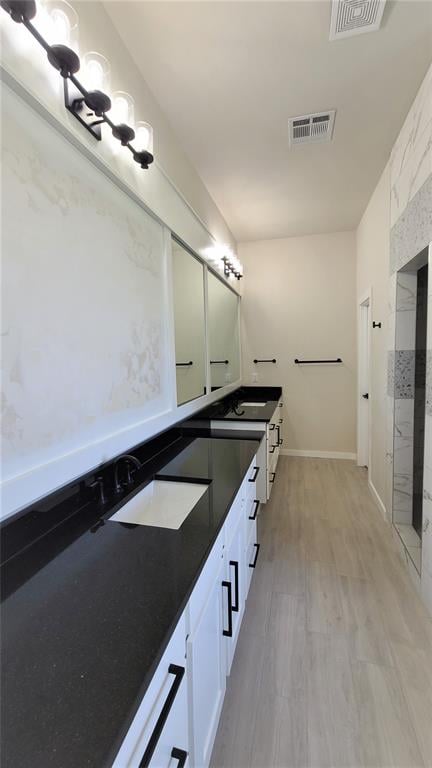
(426, 571)
(410, 233)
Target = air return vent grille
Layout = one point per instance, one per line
(311, 128)
(352, 17)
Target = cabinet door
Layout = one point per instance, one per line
(207, 674)
(159, 735)
(235, 565)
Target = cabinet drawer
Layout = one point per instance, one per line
(251, 554)
(205, 583)
(234, 518)
(161, 723)
(250, 513)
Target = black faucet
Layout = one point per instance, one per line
(129, 459)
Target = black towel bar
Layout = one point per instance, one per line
(273, 360)
(309, 362)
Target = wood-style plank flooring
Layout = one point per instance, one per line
(333, 666)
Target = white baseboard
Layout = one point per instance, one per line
(319, 454)
(378, 500)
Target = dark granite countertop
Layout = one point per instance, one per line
(89, 606)
(232, 408)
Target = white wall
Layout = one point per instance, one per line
(373, 254)
(299, 300)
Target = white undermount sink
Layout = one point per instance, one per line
(162, 503)
(253, 405)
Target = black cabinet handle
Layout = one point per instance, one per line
(252, 479)
(254, 513)
(271, 427)
(228, 632)
(219, 362)
(281, 441)
(180, 755)
(280, 405)
(252, 565)
(178, 673)
(280, 421)
(278, 434)
(272, 449)
(184, 364)
(272, 479)
(235, 565)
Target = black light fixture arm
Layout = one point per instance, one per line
(84, 105)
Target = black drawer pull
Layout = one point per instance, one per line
(228, 632)
(278, 435)
(271, 427)
(180, 755)
(272, 449)
(178, 673)
(254, 513)
(280, 405)
(280, 421)
(252, 565)
(235, 565)
(184, 364)
(252, 479)
(272, 479)
(281, 441)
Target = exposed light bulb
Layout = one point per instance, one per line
(96, 72)
(60, 26)
(144, 137)
(122, 108)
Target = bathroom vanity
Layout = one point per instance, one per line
(254, 408)
(121, 614)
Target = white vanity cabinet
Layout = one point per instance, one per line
(159, 734)
(177, 720)
(268, 451)
(206, 656)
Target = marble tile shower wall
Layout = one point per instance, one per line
(403, 389)
(410, 233)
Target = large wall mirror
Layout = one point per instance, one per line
(224, 343)
(189, 318)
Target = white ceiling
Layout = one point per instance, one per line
(229, 75)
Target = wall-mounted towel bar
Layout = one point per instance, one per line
(185, 364)
(273, 360)
(310, 362)
(216, 362)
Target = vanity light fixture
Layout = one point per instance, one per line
(232, 266)
(90, 107)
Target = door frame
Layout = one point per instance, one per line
(364, 326)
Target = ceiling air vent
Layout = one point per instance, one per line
(311, 128)
(352, 17)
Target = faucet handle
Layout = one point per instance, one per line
(98, 486)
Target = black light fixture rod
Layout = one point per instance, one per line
(314, 362)
(273, 360)
(28, 25)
